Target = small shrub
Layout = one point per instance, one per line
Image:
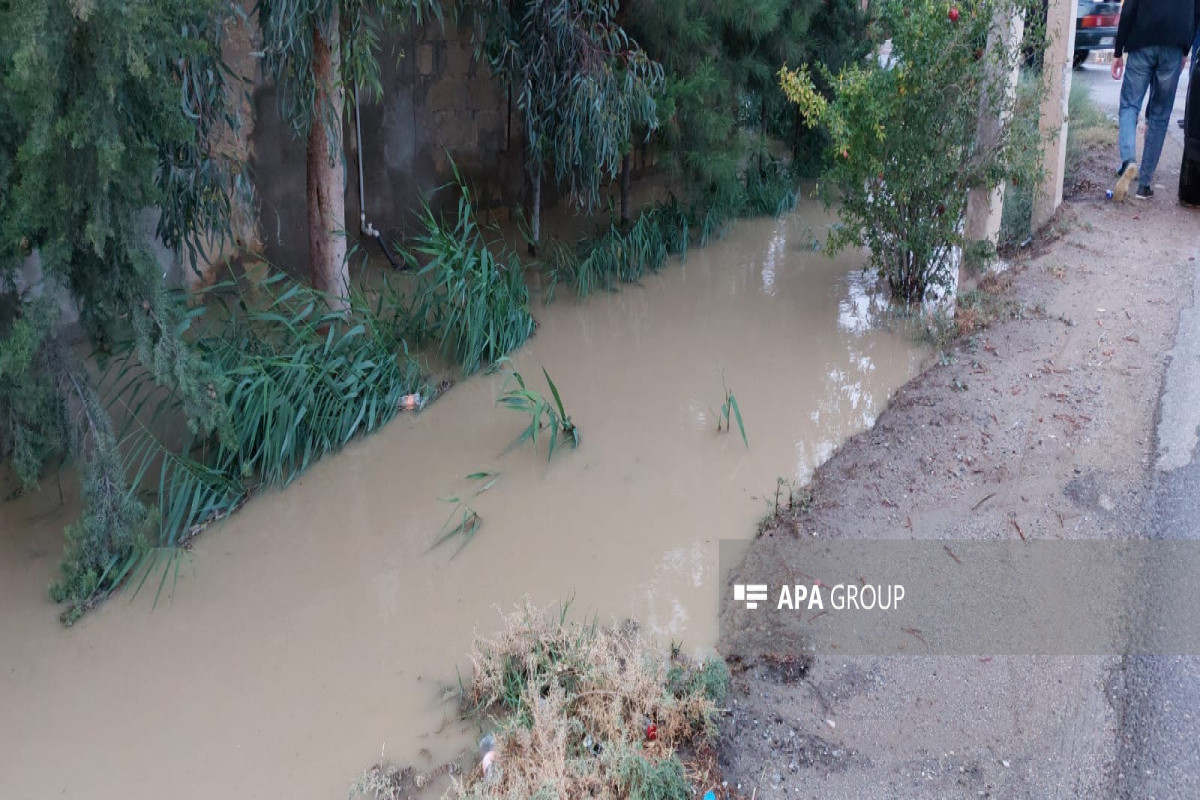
(639, 778)
(905, 145)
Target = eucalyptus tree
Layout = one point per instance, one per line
(317, 51)
(582, 84)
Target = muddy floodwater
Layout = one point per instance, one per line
(315, 629)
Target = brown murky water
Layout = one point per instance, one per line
(314, 629)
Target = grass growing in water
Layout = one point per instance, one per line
(468, 521)
(469, 301)
(728, 408)
(300, 382)
(617, 255)
(542, 415)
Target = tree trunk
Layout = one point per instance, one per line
(326, 171)
(626, 180)
(535, 222)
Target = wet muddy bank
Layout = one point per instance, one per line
(1039, 426)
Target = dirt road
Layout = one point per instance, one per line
(1042, 425)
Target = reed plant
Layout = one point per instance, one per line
(470, 301)
(300, 382)
(543, 415)
(625, 253)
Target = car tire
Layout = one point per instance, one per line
(1080, 57)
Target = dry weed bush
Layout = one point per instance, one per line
(572, 704)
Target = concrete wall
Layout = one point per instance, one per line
(438, 103)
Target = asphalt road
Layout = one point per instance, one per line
(1159, 757)
(1161, 720)
(1107, 92)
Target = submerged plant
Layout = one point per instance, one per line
(542, 414)
(464, 521)
(728, 408)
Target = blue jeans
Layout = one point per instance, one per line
(1155, 68)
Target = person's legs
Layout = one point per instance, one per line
(1133, 91)
(1166, 65)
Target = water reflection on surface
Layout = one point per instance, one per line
(316, 625)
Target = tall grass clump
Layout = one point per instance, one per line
(619, 255)
(624, 254)
(471, 302)
(299, 381)
(586, 711)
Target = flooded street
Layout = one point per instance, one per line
(316, 628)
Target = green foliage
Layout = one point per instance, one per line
(29, 404)
(698, 139)
(639, 778)
(471, 303)
(1017, 222)
(710, 679)
(287, 47)
(542, 414)
(620, 255)
(623, 254)
(720, 102)
(905, 143)
(299, 381)
(466, 521)
(109, 111)
(728, 408)
(110, 534)
(583, 86)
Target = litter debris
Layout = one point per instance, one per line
(487, 748)
(411, 402)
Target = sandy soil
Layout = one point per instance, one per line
(1049, 415)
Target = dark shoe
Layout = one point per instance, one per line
(1144, 192)
(1126, 176)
